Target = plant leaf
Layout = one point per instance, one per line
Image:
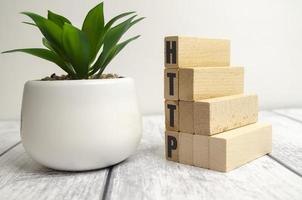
(58, 19)
(51, 31)
(112, 54)
(45, 54)
(47, 44)
(28, 23)
(112, 37)
(137, 20)
(77, 48)
(93, 26)
(113, 20)
(118, 48)
(114, 34)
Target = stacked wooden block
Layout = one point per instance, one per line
(210, 122)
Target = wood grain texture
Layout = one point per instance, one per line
(205, 83)
(234, 148)
(147, 175)
(171, 84)
(22, 178)
(186, 148)
(215, 115)
(197, 52)
(172, 115)
(201, 151)
(9, 134)
(287, 138)
(225, 113)
(186, 116)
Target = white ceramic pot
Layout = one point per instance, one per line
(80, 124)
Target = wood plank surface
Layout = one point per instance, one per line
(22, 178)
(9, 135)
(287, 140)
(147, 175)
(294, 113)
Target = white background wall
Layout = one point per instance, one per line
(266, 39)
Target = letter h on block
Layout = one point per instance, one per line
(170, 52)
(171, 46)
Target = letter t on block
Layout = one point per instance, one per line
(171, 84)
(171, 115)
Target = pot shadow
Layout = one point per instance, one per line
(27, 168)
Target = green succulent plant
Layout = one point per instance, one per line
(81, 53)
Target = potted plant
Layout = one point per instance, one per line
(83, 120)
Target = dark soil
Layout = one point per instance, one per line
(55, 77)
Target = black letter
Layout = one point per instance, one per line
(171, 76)
(171, 51)
(171, 145)
(171, 108)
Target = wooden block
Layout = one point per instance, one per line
(206, 117)
(216, 115)
(172, 145)
(171, 115)
(186, 116)
(183, 52)
(236, 147)
(201, 151)
(205, 83)
(186, 148)
(224, 113)
(171, 84)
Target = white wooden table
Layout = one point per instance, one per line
(147, 175)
